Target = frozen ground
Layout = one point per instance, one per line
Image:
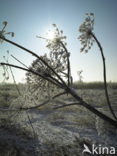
(60, 132)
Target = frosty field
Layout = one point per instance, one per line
(55, 132)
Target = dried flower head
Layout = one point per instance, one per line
(57, 37)
(40, 85)
(86, 29)
(3, 33)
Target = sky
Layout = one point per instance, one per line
(28, 18)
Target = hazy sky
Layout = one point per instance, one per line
(28, 18)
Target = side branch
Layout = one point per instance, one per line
(19, 61)
(35, 73)
(67, 105)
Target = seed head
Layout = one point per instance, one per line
(86, 29)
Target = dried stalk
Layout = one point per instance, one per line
(104, 75)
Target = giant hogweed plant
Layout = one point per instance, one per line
(50, 75)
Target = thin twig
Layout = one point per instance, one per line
(67, 105)
(19, 61)
(7, 109)
(59, 94)
(34, 107)
(14, 80)
(31, 124)
(16, 89)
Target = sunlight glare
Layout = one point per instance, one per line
(50, 35)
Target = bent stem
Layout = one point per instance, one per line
(92, 109)
(104, 75)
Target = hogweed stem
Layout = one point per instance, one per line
(104, 75)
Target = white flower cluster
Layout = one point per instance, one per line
(3, 32)
(86, 29)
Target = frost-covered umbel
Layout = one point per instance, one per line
(86, 29)
(58, 38)
(3, 33)
(40, 85)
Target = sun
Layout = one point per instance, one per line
(51, 35)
